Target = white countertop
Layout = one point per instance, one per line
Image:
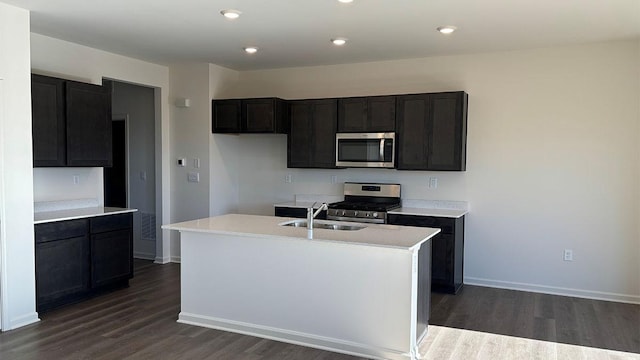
(72, 214)
(391, 236)
(447, 213)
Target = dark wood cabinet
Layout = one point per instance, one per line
(297, 212)
(77, 259)
(431, 131)
(312, 137)
(447, 249)
(111, 249)
(367, 114)
(62, 263)
(88, 125)
(263, 115)
(71, 123)
(48, 121)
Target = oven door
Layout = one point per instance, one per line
(365, 150)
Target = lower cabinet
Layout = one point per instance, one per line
(296, 212)
(76, 259)
(447, 249)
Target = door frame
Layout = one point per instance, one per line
(4, 321)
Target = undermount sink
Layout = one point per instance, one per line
(323, 225)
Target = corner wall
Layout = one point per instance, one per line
(17, 264)
(552, 159)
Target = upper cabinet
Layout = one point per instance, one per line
(264, 115)
(71, 123)
(367, 114)
(49, 125)
(312, 138)
(431, 131)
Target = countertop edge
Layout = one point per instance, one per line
(82, 216)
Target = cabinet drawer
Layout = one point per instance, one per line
(446, 225)
(60, 230)
(111, 222)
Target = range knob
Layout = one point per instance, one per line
(375, 214)
(355, 213)
(343, 213)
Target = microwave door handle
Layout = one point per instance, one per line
(382, 149)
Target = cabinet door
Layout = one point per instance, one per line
(381, 114)
(367, 114)
(442, 260)
(226, 116)
(352, 114)
(111, 257)
(412, 132)
(48, 116)
(300, 135)
(432, 131)
(258, 115)
(62, 271)
(324, 133)
(448, 133)
(88, 125)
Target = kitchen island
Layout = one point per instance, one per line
(363, 292)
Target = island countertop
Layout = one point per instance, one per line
(391, 236)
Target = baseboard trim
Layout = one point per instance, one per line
(162, 260)
(144, 256)
(175, 259)
(553, 290)
(293, 337)
(23, 320)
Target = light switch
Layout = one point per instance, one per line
(143, 175)
(196, 163)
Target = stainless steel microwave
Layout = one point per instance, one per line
(375, 150)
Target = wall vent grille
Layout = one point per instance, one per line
(148, 226)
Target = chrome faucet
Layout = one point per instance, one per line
(311, 215)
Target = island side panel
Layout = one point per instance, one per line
(345, 297)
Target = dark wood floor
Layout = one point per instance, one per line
(560, 319)
(140, 323)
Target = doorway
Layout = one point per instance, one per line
(115, 177)
(131, 182)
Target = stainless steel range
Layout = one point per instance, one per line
(366, 202)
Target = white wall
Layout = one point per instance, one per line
(190, 140)
(67, 60)
(17, 268)
(224, 191)
(552, 159)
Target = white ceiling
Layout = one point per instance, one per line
(297, 32)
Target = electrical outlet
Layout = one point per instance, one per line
(433, 183)
(334, 179)
(76, 179)
(288, 178)
(193, 177)
(568, 255)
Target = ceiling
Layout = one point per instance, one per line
(292, 33)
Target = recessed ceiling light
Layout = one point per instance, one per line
(251, 50)
(339, 41)
(230, 14)
(346, 1)
(446, 29)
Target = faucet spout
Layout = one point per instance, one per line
(311, 215)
